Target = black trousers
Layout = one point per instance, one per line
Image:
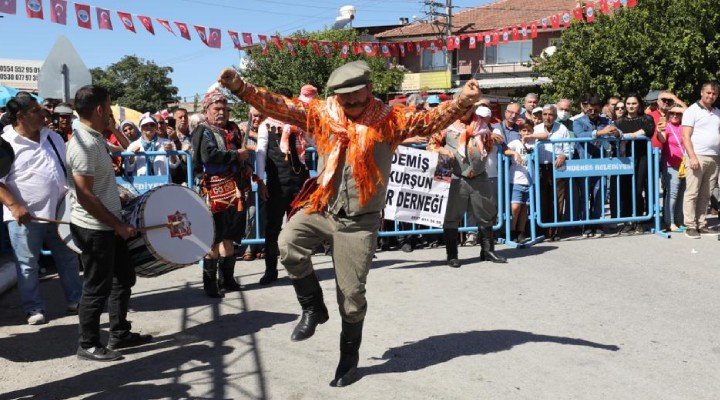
(108, 277)
(278, 204)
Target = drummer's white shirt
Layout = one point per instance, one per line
(36, 179)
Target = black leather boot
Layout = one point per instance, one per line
(350, 339)
(271, 272)
(210, 283)
(310, 296)
(227, 274)
(487, 243)
(451, 247)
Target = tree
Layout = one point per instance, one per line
(660, 44)
(136, 83)
(279, 69)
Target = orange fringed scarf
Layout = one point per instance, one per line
(335, 134)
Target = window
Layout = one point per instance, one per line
(433, 62)
(511, 53)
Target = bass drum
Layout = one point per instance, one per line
(158, 251)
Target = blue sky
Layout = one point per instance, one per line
(195, 66)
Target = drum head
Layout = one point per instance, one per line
(63, 214)
(185, 243)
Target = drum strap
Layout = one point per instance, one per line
(57, 154)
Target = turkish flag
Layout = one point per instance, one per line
(214, 38)
(357, 48)
(127, 21)
(515, 33)
(276, 42)
(326, 48)
(290, 44)
(344, 50)
(336, 46)
(263, 43)
(505, 36)
(616, 3)
(524, 31)
(235, 39)
(533, 29)
(58, 12)
(34, 9)
(410, 46)
(302, 42)
(147, 23)
(451, 43)
(631, 3)
(496, 38)
(202, 33)
(555, 22)
(247, 38)
(472, 41)
(166, 24)
(82, 12)
(183, 28)
(590, 12)
(103, 17)
(578, 14)
(369, 49)
(566, 19)
(604, 7)
(8, 7)
(316, 47)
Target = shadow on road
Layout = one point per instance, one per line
(443, 348)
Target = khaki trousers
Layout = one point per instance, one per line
(698, 185)
(353, 241)
(474, 194)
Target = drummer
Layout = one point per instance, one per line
(33, 188)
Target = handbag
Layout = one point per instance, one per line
(681, 168)
(306, 190)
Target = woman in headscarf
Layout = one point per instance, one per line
(147, 165)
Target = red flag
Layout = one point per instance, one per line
(263, 43)
(515, 33)
(202, 33)
(401, 47)
(316, 47)
(385, 50)
(487, 38)
(235, 39)
(303, 42)
(440, 45)
(590, 12)
(344, 50)
(58, 12)
(182, 27)
(247, 38)
(458, 39)
(631, 3)
(393, 49)
(524, 31)
(166, 24)
(604, 7)
(433, 47)
(369, 50)
(451, 43)
(496, 38)
(103, 17)
(410, 46)
(616, 3)
(214, 38)
(544, 23)
(276, 42)
(577, 13)
(555, 21)
(326, 48)
(534, 29)
(8, 7)
(82, 12)
(505, 36)
(290, 44)
(336, 46)
(127, 21)
(34, 9)
(418, 48)
(357, 48)
(147, 23)
(566, 19)
(472, 41)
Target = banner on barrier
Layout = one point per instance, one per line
(596, 167)
(418, 187)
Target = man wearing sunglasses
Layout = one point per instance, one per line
(666, 101)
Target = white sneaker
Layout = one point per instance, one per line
(36, 317)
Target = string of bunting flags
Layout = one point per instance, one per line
(212, 37)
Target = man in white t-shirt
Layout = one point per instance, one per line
(701, 136)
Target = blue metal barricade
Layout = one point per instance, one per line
(141, 184)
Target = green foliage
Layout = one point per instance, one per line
(279, 69)
(136, 83)
(660, 44)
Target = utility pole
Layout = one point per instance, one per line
(431, 10)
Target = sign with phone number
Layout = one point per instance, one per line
(20, 74)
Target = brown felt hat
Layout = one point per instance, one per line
(349, 77)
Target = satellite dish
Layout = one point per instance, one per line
(63, 72)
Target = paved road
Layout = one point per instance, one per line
(616, 318)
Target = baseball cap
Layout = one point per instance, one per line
(433, 100)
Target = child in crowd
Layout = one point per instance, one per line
(520, 180)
